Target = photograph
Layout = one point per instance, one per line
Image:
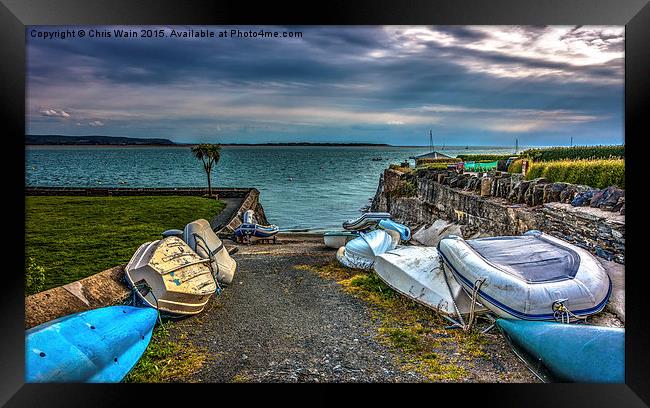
(325, 204)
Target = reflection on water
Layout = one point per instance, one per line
(301, 187)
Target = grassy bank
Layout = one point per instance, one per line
(74, 237)
(167, 359)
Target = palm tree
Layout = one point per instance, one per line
(209, 154)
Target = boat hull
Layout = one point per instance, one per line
(572, 352)
(201, 238)
(403, 230)
(256, 230)
(170, 276)
(360, 252)
(100, 345)
(417, 273)
(365, 221)
(583, 287)
(337, 239)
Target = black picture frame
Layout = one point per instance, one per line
(16, 14)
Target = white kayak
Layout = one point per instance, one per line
(360, 253)
(416, 272)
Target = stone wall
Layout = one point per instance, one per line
(222, 192)
(503, 204)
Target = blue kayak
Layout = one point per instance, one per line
(572, 352)
(100, 345)
(404, 231)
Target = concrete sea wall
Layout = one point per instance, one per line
(109, 287)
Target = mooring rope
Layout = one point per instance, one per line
(453, 302)
(213, 260)
(145, 285)
(475, 290)
(562, 313)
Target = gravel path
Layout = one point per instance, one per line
(276, 323)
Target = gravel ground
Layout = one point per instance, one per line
(275, 323)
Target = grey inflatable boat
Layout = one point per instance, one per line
(532, 277)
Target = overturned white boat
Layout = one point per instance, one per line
(200, 236)
(365, 221)
(337, 239)
(168, 275)
(360, 253)
(530, 277)
(417, 273)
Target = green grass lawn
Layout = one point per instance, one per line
(74, 237)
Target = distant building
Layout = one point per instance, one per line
(431, 155)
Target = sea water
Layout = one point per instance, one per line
(302, 187)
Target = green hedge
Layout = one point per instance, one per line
(485, 157)
(594, 173)
(576, 153)
(515, 166)
(427, 160)
(434, 166)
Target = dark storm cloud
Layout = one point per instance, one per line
(490, 80)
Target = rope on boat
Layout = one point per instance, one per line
(477, 285)
(453, 302)
(213, 260)
(145, 285)
(562, 314)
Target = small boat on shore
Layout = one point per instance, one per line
(403, 230)
(360, 252)
(365, 221)
(532, 277)
(571, 352)
(251, 229)
(202, 239)
(337, 239)
(416, 272)
(100, 345)
(168, 275)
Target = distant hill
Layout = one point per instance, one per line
(93, 140)
(132, 141)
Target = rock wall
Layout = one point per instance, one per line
(503, 204)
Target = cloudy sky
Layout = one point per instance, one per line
(477, 85)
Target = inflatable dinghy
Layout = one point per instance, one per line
(571, 352)
(337, 239)
(360, 253)
(100, 345)
(416, 272)
(404, 231)
(366, 221)
(530, 277)
(168, 275)
(202, 239)
(251, 229)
